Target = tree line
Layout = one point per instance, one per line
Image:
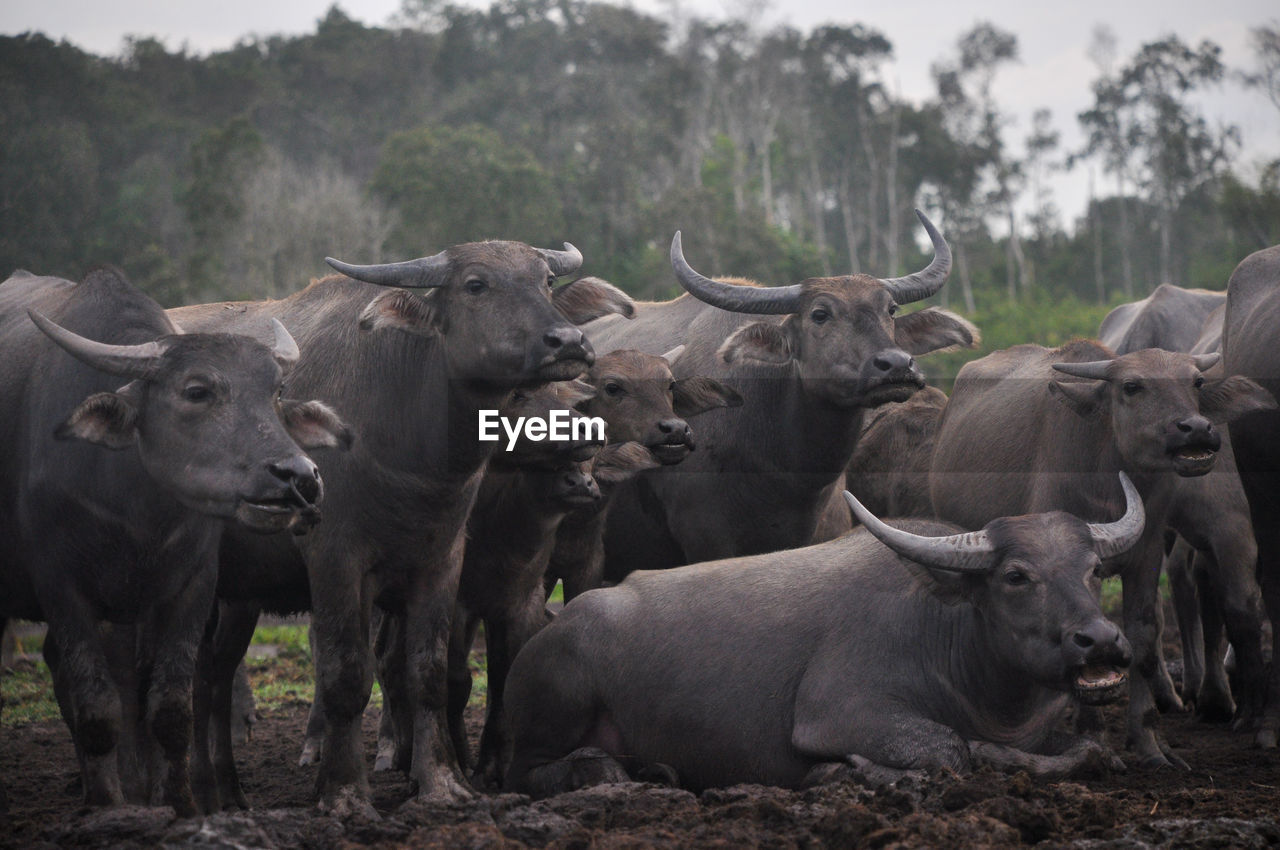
(780, 153)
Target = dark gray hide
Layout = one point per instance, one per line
(411, 371)
(762, 474)
(126, 530)
(1250, 331)
(642, 403)
(1036, 429)
(1171, 318)
(776, 668)
(1212, 511)
(889, 470)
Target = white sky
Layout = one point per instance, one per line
(1053, 38)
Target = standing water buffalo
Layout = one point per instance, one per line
(1036, 429)
(943, 650)
(1212, 512)
(112, 498)
(412, 371)
(1250, 331)
(642, 403)
(824, 351)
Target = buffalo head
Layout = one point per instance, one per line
(206, 416)
(1036, 580)
(496, 306)
(1161, 405)
(639, 398)
(842, 333)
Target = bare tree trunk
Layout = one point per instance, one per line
(891, 195)
(1095, 224)
(1166, 246)
(1126, 262)
(850, 221)
(966, 283)
(819, 214)
(873, 168)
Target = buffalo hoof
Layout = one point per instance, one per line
(659, 774)
(581, 768)
(312, 750)
(348, 804)
(443, 786)
(1214, 708)
(1265, 739)
(386, 759)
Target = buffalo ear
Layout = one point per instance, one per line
(104, 419)
(764, 342)
(574, 393)
(691, 396)
(933, 329)
(619, 461)
(403, 311)
(590, 298)
(1085, 398)
(1229, 399)
(315, 425)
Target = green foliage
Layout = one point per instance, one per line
(27, 693)
(461, 184)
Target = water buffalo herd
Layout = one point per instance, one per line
(737, 610)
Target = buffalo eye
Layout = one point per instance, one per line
(1199, 382)
(612, 388)
(475, 286)
(1132, 388)
(893, 309)
(819, 315)
(1015, 578)
(197, 393)
(551, 281)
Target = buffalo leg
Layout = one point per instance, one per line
(344, 667)
(428, 616)
(1142, 628)
(235, 633)
(461, 639)
(504, 638)
(1178, 566)
(395, 745)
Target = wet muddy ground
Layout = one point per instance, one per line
(1230, 799)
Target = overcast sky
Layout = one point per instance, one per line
(1054, 70)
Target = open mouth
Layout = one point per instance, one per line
(563, 369)
(1189, 461)
(271, 515)
(669, 453)
(890, 391)
(1098, 684)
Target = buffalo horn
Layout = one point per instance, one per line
(922, 284)
(1205, 362)
(1095, 369)
(126, 361)
(773, 300)
(422, 273)
(285, 348)
(969, 552)
(1112, 538)
(561, 262)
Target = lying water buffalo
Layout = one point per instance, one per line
(1036, 429)
(112, 498)
(944, 649)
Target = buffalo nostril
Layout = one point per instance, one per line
(553, 340)
(301, 475)
(882, 364)
(1082, 640)
(1184, 427)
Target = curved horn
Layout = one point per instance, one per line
(969, 552)
(1095, 369)
(674, 354)
(562, 262)
(927, 281)
(422, 273)
(285, 348)
(1205, 362)
(772, 300)
(1112, 538)
(127, 361)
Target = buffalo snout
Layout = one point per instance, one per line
(1097, 656)
(890, 375)
(301, 476)
(1193, 444)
